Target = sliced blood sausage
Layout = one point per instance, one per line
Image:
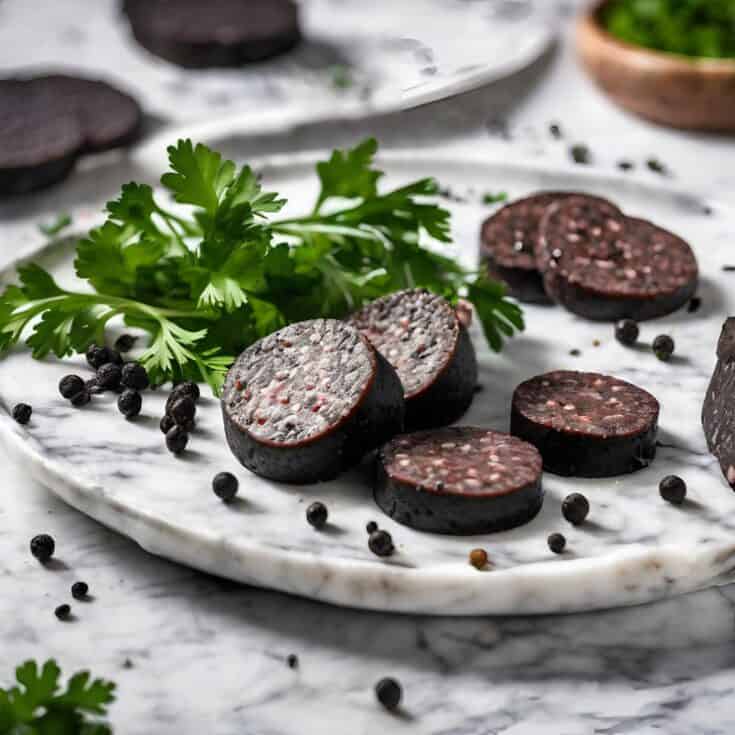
(422, 337)
(459, 480)
(309, 401)
(47, 122)
(198, 34)
(604, 266)
(508, 242)
(586, 424)
(718, 412)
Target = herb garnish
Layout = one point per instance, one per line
(37, 705)
(208, 278)
(55, 227)
(494, 198)
(703, 28)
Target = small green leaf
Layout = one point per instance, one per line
(51, 229)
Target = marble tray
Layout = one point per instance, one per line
(634, 548)
(354, 62)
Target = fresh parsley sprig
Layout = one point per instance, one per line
(217, 271)
(38, 705)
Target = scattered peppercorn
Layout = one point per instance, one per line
(63, 612)
(626, 165)
(187, 388)
(127, 664)
(79, 590)
(371, 527)
(22, 413)
(176, 440)
(575, 508)
(97, 356)
(292, 660)
(580, 153)
(596, 343)
(627, 332)
(134, 375)
(317, 514)
(129, 403)
(673, 489)
(575, 352)
(108, 376)
(93, 386)
(656, 166)
(225, 486)
(167, 423)
(555, 131)
(81, 399)
(694, 304)
(381, 543)
(182, 410)
(663, 347)
(728, 268)
(389, 694)
(70, 385)
(43, 547)
(478, 558)
(557, 542)
(125, 342)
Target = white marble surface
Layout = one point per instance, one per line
(209, 656)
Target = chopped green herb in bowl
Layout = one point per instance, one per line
(698, 28)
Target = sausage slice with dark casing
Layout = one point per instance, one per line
(198, 34)
(308, 401)
(508, 242)
(605, 266)
(718, 412)
(423, 338)
(586, 424)
(459, 480)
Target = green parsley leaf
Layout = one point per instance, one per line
(494, 198)
(54, 228)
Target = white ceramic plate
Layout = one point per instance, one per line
(392, 57)
(634, 548)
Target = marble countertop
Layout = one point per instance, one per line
(193, 654)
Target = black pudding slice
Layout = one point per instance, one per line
(308, 401)
(459, 480)
(586, 424)
(421, 336)
(197, 34)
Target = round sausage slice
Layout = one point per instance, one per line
(586, 424)
(459, 480)
(309, 401)
(198, 34)
(508, 242)
(423, 338)
(604, 266)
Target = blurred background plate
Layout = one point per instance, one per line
(353, 62)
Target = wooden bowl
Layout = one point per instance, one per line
(673, 90)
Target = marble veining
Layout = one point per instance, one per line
(634, 548)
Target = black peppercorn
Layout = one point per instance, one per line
(557, 542)
(555, 131)
(388, 692)
(108, 376)
(97, 356)
(63, 612)
(317, 514)
(134, 375)
(371, 527)
(575, 508)
(663, 347)
(43, 547)
(182, 410)
(292, 660)
(70, 385)
(627, 332)
(180, 390)
(626, 165)
(673, 489)
(22, 413)
(167, 423)
(125, 342)
(580, 153)
(176, 440)
(225, 486)
(129, 403)
(93, 386)
(79, 590)
(381, 543)
(81, 399)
